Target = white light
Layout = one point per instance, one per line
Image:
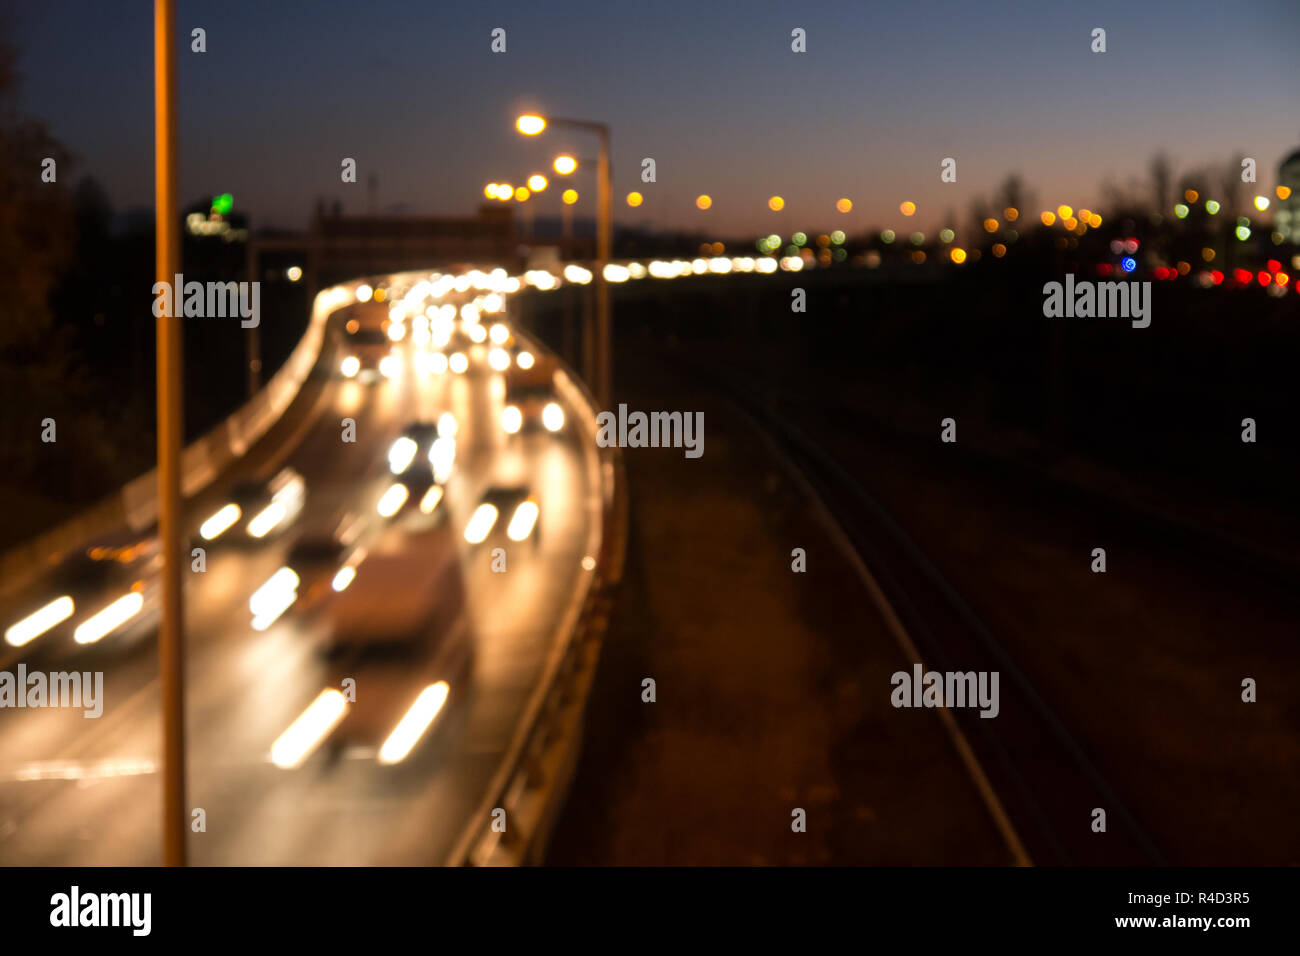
(343, 578)
(492, 302)
(430, 499)
(420, 336)
(498, 333)
(393, 499)
(305, 734)
(36, 624)
(109, 619)
(389, 366)
(476, 333)
(266, 519)
(572, 273)
(273, 598)
(401, 454)
(364, 293)
(438, 363)
(447, 427)
(553, 417)
(480, 523)
(616, 273)
(720, 265)
(294, 273)
(511, 419)
(396, 330)
(524, 360)
(523, 520)
(458, 363)
(441, 455)
(499, 359)
(417, 720)
(219, 522)
(469, 313)
(350, 366)
(635, 270)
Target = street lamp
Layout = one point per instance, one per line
(537, 182)
(565, 165)
(531, 124)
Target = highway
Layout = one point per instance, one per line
(78, 791)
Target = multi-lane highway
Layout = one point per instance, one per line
(75, 790)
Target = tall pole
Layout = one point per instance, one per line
(604, 234)
(169, 355)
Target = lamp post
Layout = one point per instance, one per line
(531, 124)
(171, 656)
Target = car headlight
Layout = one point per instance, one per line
(511, 419)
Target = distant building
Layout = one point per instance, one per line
(337, 247)
(1287, 218)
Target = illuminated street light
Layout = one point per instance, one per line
(776, 204)
(844, 205)
(704, 202)
(522, 194)
(570, 196)
(634, 199)
(530, 124)
(565, 165)
(537, 182)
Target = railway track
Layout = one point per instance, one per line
(1039, 782)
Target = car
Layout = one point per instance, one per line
(510, 510)
(257, 509)
(368, 356)
(401, 634)
(108, 588)
(430, 442)
(531, 402)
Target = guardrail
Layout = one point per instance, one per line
(533, 778)
(135, 506)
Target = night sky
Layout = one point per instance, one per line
(712, 91)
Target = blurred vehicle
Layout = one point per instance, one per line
(430, 443)
(110, 587)
(400, 631)
(368, 356)
(512, 510)
(257, 509)
(530, 397)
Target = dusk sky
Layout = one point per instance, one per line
(711, 91)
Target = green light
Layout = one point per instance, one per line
(841, 255)
(799, 239)
(1212, 207)
(947, 235)
(1180, 211)
(837, 237)
(223, 204)
(1243, 233)
(792, 251)
(917, 238)
(887, 235)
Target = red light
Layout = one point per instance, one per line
(1265, 278)
(1282, 278)
(1160, 272)
(1274, 265)
(1104, 269)
(1242, 276)
(1216, 276)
